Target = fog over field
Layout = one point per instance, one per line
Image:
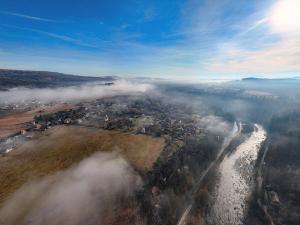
(73, 93)
(79, 195)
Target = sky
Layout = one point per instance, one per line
(202, 39)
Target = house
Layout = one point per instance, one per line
(155, 191)
(273, 198)
(67, 121)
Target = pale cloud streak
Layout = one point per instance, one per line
(256, 25)
(27, 16)
(54, 35)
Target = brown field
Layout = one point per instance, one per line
(61, 147)
(13, 123)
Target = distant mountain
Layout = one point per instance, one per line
(42, 79)
(289, 86)
(270, 79)
(251, 79)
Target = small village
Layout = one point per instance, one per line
(137, 115)
(182, 131)
(142, 115)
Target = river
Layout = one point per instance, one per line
(235, 131)
(235, 181)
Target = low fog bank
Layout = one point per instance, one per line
(74, 93)
(215, 125)
(257, 102)
(207, 112)
(84, 194)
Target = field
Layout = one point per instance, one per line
(61, 147)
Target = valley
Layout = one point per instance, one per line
(190, 159)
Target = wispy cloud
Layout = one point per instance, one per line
(29, 17)
(256, 25)
(282, 57)
(194, 38)
(54, 35)
(267, 47)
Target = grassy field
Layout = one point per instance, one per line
(62, 147)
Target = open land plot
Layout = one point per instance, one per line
(63, 146)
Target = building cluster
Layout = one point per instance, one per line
(143, 116)
(73, 116)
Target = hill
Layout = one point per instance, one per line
(270, 79)
(42, 79)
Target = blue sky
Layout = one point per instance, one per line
(173, 39)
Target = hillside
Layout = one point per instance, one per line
(41, 79)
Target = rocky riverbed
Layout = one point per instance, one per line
(235, 181)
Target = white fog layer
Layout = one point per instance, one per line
(87, 91)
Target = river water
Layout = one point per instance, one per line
(236, 181)
(236, 129)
